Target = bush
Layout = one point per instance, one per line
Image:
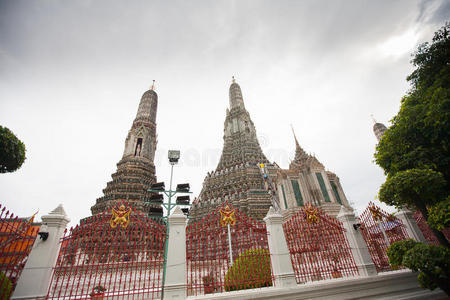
(439, 215)
(433, 262)
(250, 270)
(397, 251)
(5, 287)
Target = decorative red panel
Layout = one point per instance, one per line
(318, 246)
(118, 255)
(17, 236)
(212, 268)
(380, 230)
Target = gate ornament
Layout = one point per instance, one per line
(376, 213)
(120, 217)
(227, 216)
(311, 214)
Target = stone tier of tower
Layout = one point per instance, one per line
(136, 170)
(238, 178)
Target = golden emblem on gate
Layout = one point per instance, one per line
(311, 214)
(120, 217)
(227, 216)
(376, 213)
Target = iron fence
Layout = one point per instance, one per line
(380, 230)
(17, 236)
(118, 255)
(318, 246)
(226, 251)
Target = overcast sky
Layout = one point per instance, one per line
(72, 74)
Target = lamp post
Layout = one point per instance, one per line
(174, 156)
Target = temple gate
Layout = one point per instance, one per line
(318, 246)
(225, 251)
(118, 255)
(380, 230)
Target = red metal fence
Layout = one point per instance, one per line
(17, 236)
(212, 267)
(318, 246)
(426, 230)
(118, 255)
(380, 230)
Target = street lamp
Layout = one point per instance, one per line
(158, 199)
(159, 187)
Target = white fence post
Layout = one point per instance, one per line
(175, 280)
(279, 253)
(411, 227)
(357, 244)
(37, 273)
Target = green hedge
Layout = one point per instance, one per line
(5, 287)
(250, 270)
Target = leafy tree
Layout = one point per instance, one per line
(414, 187)
(433, 262)
(12, 151)
(250, 270)
(439, 215)
(415, 151)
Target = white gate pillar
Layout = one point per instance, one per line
(357, 244)
(410, 223)
(279, 253)
(37, 273)
(175, 280)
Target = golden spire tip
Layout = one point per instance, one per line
(153, 85)
(233, 79)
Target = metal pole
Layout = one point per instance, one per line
(229, 244)
(169, 207)
(384, 233)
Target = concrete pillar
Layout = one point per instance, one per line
(279, 253)
(175, 280)
(357, 244)
(37, 273)
(414, 232)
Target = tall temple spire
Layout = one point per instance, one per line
(300, 155)
(236, 100)
(240, 140)
(136, 170)
(238, 177)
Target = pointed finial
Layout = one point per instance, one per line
(233, 79)
(373, 119)
(295, 137)
(153, 85)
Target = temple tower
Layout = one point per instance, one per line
(378, 129)
(239, 177)
(136, 170)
